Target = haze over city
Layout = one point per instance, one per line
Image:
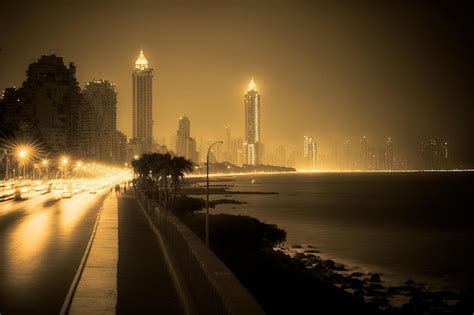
(236, 157)
(332, 71)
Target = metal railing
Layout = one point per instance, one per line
(213, 288)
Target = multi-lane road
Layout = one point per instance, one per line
(42, 241)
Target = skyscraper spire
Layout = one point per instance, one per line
(252, 86)
(141, 62)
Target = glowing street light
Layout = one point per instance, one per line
(23, 155)
(207, 192)
(135, 157)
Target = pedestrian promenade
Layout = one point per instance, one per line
(125, 272)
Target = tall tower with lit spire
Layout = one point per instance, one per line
(253, 145)
(142, 105)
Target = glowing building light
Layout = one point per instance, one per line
(252, 86)
(141, 62)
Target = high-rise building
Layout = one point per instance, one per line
(280, 156)
(142, 105)
(185, 145)
(364, 156)
(310, 153)
(227, 146)
(444, 157)
(347, 156)
(50, 109)
(253, 145)
(434, 154)
(389, 156)
(182, 135)
(101, 96)
(120, 147)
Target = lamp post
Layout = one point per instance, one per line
(6, 164)
(45, 163)
(207, 191)
(22, 154)
(64, 162)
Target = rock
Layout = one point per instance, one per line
(312, 251)
(380, 301)
(339, 267)
(356, 283)
(300, 256)
(358, 293)
(376, 286)
(357, 274)
(296, 246)
(392, 291)
(329, 264)
(371, 292)
(374, 277)
(313, 260)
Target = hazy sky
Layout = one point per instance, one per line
(335, 70)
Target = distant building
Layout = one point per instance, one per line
(50, 109)
(185, 145)
(347, 156)
(310, 153)
(227, 156)
(237, 151)
(142, 105)
(434, 154)
(389, 156)
(120, 148)
(280, 156)
(101, 96)
(364, 156)
(253, 145)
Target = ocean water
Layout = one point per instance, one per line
(416, 226)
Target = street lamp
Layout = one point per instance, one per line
(45, 164)
(207, 192)
(22, 154)
(64, 161)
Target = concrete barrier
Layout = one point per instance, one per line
(213, 288)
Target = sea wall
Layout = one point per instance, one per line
(211, 286)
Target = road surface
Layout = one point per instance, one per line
(42, 241)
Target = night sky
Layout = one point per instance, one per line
(331, 70)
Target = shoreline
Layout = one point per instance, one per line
(364, 282)
(388, 291)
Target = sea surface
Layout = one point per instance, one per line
(417, 226)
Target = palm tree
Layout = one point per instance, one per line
(179, 167)
(163, 170)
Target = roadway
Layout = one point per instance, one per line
(42, 241)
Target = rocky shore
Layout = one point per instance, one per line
(407, 298)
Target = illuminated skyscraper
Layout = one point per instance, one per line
(185, 145)
(390, 163)
(364, 154)
(142, 105)
(253, 145)
(310, 153)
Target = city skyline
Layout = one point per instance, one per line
(236, 157)
(330, 99)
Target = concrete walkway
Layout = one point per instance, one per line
(144, 283)
(96, 292)
(125, 272)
